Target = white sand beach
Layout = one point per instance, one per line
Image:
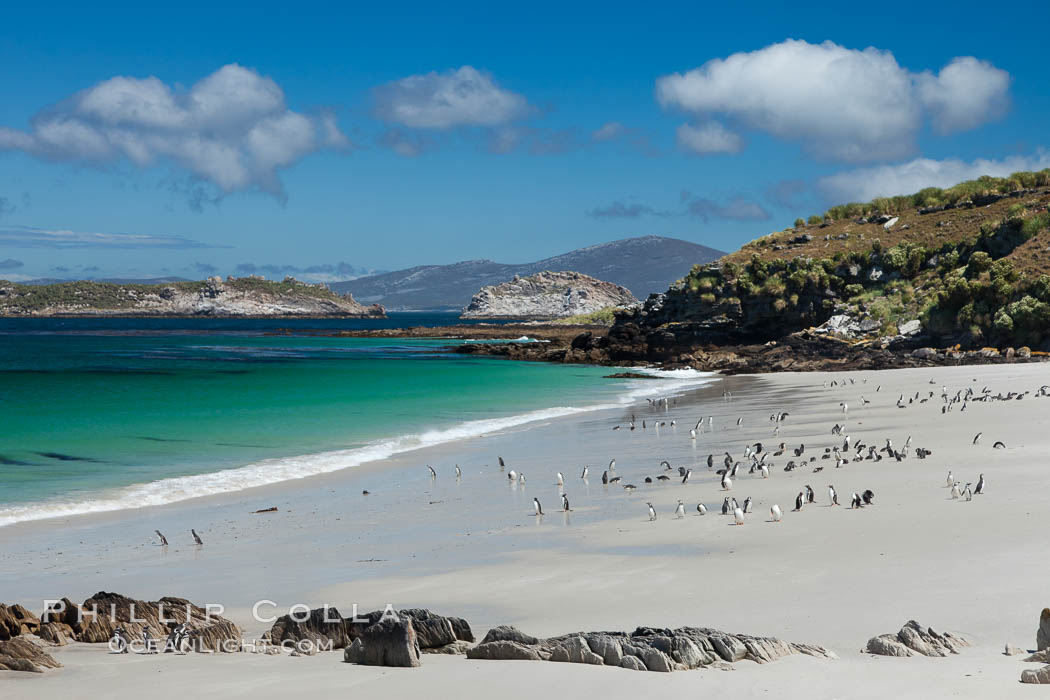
(827, 575)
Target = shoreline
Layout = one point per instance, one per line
(827, 576)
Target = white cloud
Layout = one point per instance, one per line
(966, 93)
(28, 237)
(708, 138)
(864, 184)
(232, 128)
(736, 209)
(842, 104)
(609, 131)
(461, 97)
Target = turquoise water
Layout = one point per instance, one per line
(100, 419)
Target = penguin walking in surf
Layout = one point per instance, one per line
(433, 474)
(561, 479)
(459, 473)
(200, 542)
(536, 505)
(685, 478)
(565, 503)
(583, 474)
(512, 475)
(163, 539)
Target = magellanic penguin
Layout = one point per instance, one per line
(955, 491)
(950, 480)
(701, 508)
(738, 516)
(775, 512)
(679, 512)
(536, 505)
(652, 512)
(800, 501)
(832, 496)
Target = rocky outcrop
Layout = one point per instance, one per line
(22, 654)
(1042, 635)
(645, 649)
(16, 620)
(325, 628)
(547, 295)
(245, 296)
(389, 642)
(914, 639)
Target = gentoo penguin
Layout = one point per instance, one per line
(955, 491)
(433, 474)
(163, 539)
(868, 496)
(512, 475)
(811, 497)
(980, 485)
(605, 477)
(459, 472)
(733, 505)
(685, 478)
(832, 496)
(197, 538)
(561, 479)
(583, 475)
(738, 516)
(679, 512)
(725, 506)
(652, 512)
(565, 503)
(765, 472)
(747, 504)
(800, 501)
(521, 478)
(701, 508)
(536, 505)
(855, 501)
(727, 483)
(775, 512)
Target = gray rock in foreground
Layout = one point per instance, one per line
(22, 654)
(1042, 635)
(387, 643)
(645, 649)
(914, 639)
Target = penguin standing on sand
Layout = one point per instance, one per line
(679, 512)
(747, 504)
(811, 497)
(701, 508)
(727, 483)
(685, 479)
(832, 496)
(775, 512)
(652, 512)
(738, 516)
(537, 506)
(855, 502)
(955, 491)
(725, 506)
(980, 485)
(800, 501)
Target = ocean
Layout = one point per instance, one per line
(108, 414)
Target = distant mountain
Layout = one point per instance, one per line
(644, 265)
(108, 280)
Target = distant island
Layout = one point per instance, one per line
(548, 295)
(233, 297)
(644, 265)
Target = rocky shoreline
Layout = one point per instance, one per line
(627, 345)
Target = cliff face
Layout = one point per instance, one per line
(246, 296)
(547, 295)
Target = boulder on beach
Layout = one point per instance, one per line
(324, 627)
(104, 612)
(389, 642)
(645, 649)
(1042, 635)
(22, 654)
(913, 639)
(16, 620)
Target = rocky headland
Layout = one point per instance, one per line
(241, 297)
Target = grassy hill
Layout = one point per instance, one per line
(971, 262)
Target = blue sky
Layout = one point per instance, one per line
(185, 140)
